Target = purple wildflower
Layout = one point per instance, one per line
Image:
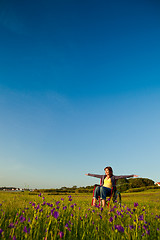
(141, 218)
(135, 204)
(57, 202)
(65, 207)
(111, 219)
(145, 227)
(157, 229)
(66, 225)
(71, 215)
(11, 225)
(56, 214)
(29, 220)
(37, 207)
(25, 230)
(22, 219)
(119, 228)
(148, 232)
(14, 237)
(62, 199)
(61, 234)
(1, 231)
(131, 227)
(39, 195)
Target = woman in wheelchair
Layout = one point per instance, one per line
(107, 183)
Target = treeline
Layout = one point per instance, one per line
(135, 184)
(123, 185)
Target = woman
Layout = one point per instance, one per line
(107, 182)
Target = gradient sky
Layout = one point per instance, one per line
(79, 90)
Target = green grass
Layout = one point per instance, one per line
(45, 217)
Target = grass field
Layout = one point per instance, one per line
(37, 217)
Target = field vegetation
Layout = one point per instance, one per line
(32, 216)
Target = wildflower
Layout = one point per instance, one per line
(37, 207)
(131, 227)
(147, 232)
(1, 231)
(128, 209)
(52, 210)
(135, 204)
(72, 206)
(11, 225)
(71, 215)
(29, 220)
(111, 219)
(118, 213)
(65, 207)
(22, 219)
(140, 218)
(25, 230)
(14, 237)
(36, 217)
(145, 227)
(56, 214)
(66, 225)
(157, 229)
(39, 195)
(57, 202)
(62, 199)
(61, 234)
(70, 199)
(119, 228)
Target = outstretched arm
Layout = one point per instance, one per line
(125, 176)
(94, 175)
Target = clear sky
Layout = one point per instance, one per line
(79, 90)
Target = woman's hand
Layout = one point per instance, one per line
(86, 174)
(135, 175)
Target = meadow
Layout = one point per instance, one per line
(25, 215)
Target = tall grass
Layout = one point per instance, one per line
(33, 217)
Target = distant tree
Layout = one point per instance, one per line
(140, 182)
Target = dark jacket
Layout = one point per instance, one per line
(113, 178)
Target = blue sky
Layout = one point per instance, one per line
(79, 90)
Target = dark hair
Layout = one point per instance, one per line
(110, 171)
